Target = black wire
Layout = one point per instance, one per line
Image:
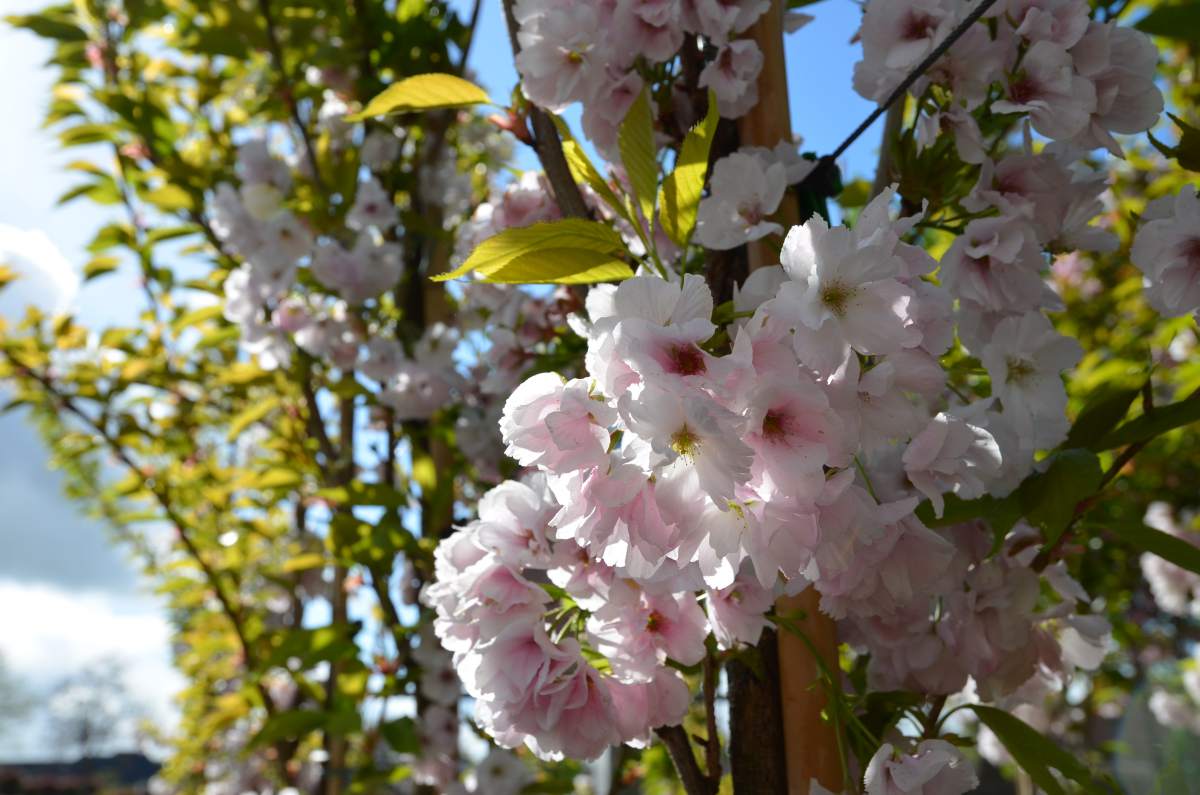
(905, 84)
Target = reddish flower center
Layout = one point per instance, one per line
(685, 359)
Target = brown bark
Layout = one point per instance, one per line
(810, 744)
(757, 759)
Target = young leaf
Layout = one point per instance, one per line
(636, 142)
(583, 171)
(561, 266)
(423, 92)
(572, 233)
(251, 415)
(680, 193)
(1037, 754)
(99, 266)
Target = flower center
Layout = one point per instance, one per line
(654, 621)
(835, 296)
(918, 26)
(1018, 370)
(685, 359)
(685, 441)
(775, 425)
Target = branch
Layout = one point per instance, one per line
(712, 742)
(547, 143)
(264, 7)
(675, 739)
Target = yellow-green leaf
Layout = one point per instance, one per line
(561, 266)
(424, 92)
(100, 266)
(250, 416)
(636, 142)
(573, 233)
(311, 560)
(680, 194)
(169, 198)
(7, 275)
(196, 316)
(582, 169)
(275, 479)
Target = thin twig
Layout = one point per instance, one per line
(547, 144)
(285, 87)
(679, 747)
(712, 742)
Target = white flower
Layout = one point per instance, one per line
(1121, 64)
(1167, 251)
(934, 768)
(1059, 101)
(744, 193)
(896, 35)
(697, 434)
(1025, 359)
(844, 292)
(733, 77)
(952, 455)
(372, 207)
(560, 61)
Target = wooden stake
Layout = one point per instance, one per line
(810, 742)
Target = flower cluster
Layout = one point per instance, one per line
(697, 472)
(1079, 80)
(578, 51)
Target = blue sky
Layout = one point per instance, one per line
(79, 599)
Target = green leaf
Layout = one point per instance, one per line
(1049, 499)
(1187, 151)
(1000, 513)
(1153, 423)
(1180, 21)
(636, 142)
(401, 735)
(251, 415)
(680, 193)
(1166, 546)
(424, 92)
(291, 725)
(570, 233)
(99, 266)
(1037, 754)
(1104, 409)
(48, 28)
(561, 266)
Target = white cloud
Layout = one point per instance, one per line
(48, 634)
(48, 280)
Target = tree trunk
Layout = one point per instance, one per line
(810, 745)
